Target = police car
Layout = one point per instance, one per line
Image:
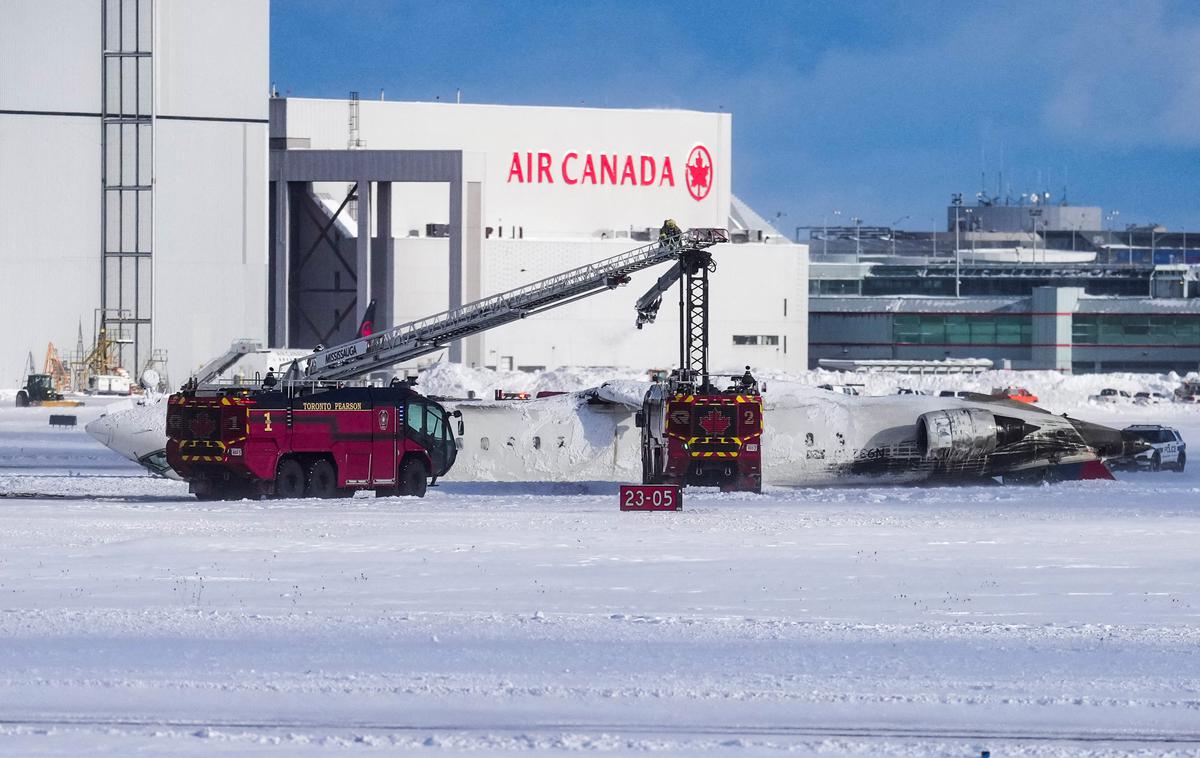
(1167, 448)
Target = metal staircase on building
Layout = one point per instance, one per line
(427, 335)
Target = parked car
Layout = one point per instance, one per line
(1167, 448)
(1019, 394)
(1110, 395)
(910, 391)
(1149, 398)
(954, 393)
(845, 389)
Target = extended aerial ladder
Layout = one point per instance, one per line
(423, 336)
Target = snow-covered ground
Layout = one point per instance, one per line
(493, 617)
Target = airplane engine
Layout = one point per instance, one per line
(960, 433)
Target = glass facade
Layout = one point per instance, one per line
(1136, 329)
(953, 329)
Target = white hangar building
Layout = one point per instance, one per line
(540, 190)
(159, 188)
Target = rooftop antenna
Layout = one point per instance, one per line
(458, 95)
(381, 93)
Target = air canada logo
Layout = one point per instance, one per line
(699, 172)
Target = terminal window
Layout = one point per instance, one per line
(952, 329)
(756, 339)
(1136, 329)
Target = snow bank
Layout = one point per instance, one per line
(1056, 391)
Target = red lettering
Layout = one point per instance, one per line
(589, 169)
(647, 163)
(668, 175)
(627, 171)
(529, 167)
(608, 169)
(544, 169)
(566, 177)
(514, 169)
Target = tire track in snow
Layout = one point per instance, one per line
(642, 729)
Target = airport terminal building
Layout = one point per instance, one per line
(168, 196)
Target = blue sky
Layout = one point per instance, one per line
(877, 109)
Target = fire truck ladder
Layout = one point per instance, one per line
(423, 336)
(691, 270)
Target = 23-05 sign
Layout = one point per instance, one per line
(651, 497)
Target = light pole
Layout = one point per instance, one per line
(1111, 218)
(857, 240)
(933, 226)
(897, 221)
(1129, 228)
(1034, 215)
(825, 231)
(956, 201)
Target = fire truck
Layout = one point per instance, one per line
(313, 432)
(308, 441)
(694, 431)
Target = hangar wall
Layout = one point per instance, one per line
(208, 117)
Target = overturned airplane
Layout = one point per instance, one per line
(813, 438)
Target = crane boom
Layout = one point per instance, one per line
(429, 334)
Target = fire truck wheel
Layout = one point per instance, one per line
(322, 479)
(412, 478)
(22, 399)
(289, 479)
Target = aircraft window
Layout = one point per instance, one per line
(156, 462)
(484, 443)
(537, 443)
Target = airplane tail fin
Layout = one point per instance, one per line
(367, 327)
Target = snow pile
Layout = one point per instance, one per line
(456, 380)
(1055, 391)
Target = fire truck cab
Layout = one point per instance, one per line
(317, 441)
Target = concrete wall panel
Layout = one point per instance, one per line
(212, 59)
(50, 55)
(210, 243)
(50, 256)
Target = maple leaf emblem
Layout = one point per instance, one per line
(202, 425)
(714, 422)
(699, 172)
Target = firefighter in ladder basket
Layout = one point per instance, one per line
(669, 231)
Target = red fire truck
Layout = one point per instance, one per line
(711, 438)
(308, 441)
